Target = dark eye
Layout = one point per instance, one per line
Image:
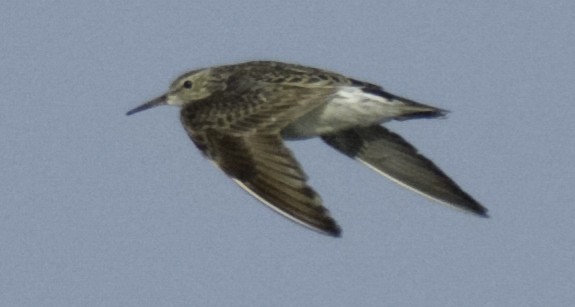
(188, 84)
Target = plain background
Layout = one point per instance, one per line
(100, 209)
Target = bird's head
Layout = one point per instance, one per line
(187, 88)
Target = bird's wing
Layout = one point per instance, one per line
(390, 155)
(264, 167)
(247, 146)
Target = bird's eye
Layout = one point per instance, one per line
(188, 84)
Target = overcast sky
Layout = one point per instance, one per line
(101, 209)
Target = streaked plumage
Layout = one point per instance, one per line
(238, 116)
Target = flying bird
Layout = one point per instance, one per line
(238, 116)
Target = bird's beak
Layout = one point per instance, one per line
(150, 104)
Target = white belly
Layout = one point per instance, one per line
(348, 107)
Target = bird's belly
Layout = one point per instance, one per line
(348, 107)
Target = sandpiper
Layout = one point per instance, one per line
(239, 115)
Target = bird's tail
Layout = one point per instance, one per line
(407, 108)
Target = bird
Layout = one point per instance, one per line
(239, 115)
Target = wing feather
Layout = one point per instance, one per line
(390, 155)
(244, 141)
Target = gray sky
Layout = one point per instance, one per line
(100, 209)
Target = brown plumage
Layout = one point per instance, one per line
(238, 116)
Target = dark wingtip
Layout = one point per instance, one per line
(334, 232)
(483, 213)
(442, 112)
(331, 229)
(475, 208)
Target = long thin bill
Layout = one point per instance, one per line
(150, 104)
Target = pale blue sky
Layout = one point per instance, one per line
(100, 209)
